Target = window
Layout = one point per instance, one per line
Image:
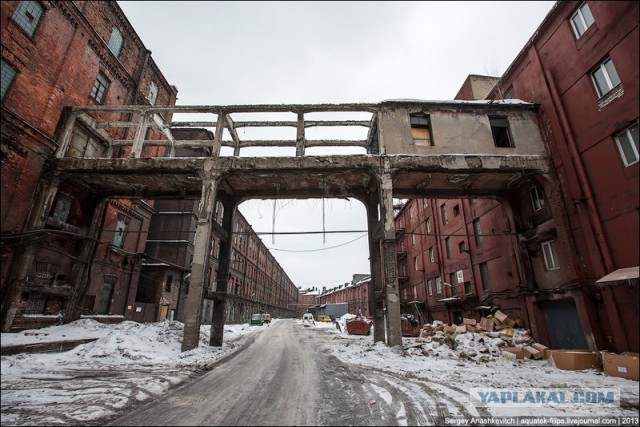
(477, 230)
(153, 93)
(581, 20)
(421, 129)
(168, 283)
(115, 42)
(415, 263)
(550, 260)
(456, 210)
(63, 207)
(537, 201)
(28, 15)
(447, 242)
(438, 285)
(105, 299)
(100, 87)
(467, 288)
(627, 142)
(445, 218)
(605, 77)
(484, 272)
(431, 256)
(461, 247)
(429, 223)
(430, 286)
(415, 292)
(452, 279)
(7, 74)
(500, 132)
(121, 231)
(413, 240)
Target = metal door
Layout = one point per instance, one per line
(563, 324)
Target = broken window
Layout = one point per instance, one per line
(153, 93)
(421, 129)
(28, 15)
(169, 282)
(119, 235)
(62, 207)
(500, 132)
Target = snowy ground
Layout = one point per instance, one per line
(132, 362)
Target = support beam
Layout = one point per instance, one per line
(200, 263)
(224, 259)
(376, 295)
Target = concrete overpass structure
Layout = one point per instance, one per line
(402, 149)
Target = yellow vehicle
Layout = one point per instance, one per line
(323, 318)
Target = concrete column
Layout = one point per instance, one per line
(376, 295)
(141, 133)
(23, 258)
(394, 331)
(200, 263)
(224, 259)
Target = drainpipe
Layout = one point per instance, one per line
(596, 222)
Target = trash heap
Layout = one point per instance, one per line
(493, 337)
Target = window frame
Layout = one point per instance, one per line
(485, 275)
(29, 28)
(477, 231)
(579, 13)
(421, 124)
(550, 253)
(438, 285)
(602, 67)
(153, 94)
(6, 70)
(99, 89)
(537, 202)
(631, 142)
(500, 128)
(120, 234)
(115, 45)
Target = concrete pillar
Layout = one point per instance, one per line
(376, 295)
(141, 133)
(224, 259)
(25, 253)
(394, 330)
(200, 263)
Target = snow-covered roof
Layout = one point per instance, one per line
(457, 101)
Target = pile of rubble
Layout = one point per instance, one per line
(492, 338)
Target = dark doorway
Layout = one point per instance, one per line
(563, 324)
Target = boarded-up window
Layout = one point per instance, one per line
(421, 129)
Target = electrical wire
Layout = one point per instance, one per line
(319, 249)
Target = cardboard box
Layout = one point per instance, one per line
(449, 330)
(486, 324)
(500, 316)
(532, 353)
(519, 353)
(623, 365)
(471, 322)
(461, 329)
(574, 360)
(543, 348)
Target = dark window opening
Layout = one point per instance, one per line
(421, 129)
(500, 132)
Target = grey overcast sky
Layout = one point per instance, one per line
(224, 53)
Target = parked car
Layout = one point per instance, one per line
(323, 318)
(266, 317)
(307, 319)
(256, 319)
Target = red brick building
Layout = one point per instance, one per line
(355, 294)
(90, 256)
(543, 256)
